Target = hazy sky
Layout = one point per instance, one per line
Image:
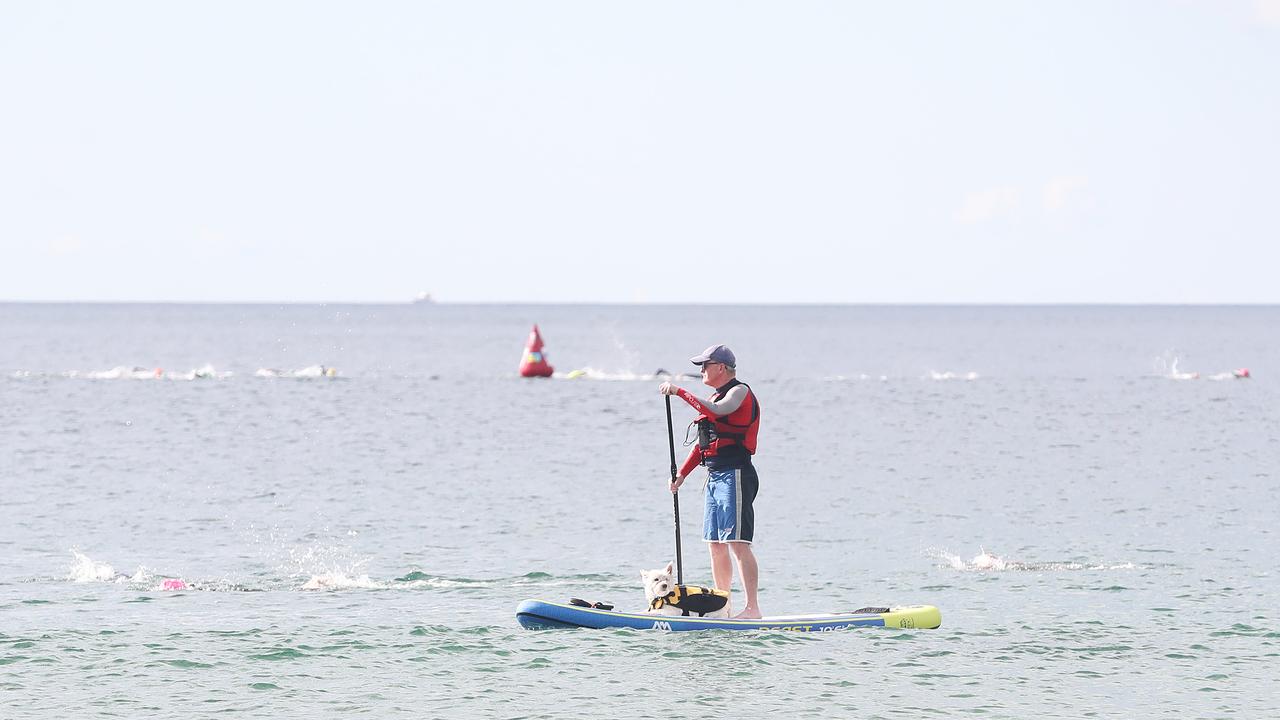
(1020, 151)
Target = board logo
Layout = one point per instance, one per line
(661, 625)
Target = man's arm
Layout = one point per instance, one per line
(691, 462)
(730, 402)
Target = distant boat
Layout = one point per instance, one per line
(424, 297)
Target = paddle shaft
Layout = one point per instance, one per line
(675, 496)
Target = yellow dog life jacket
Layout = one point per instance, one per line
(692, 600)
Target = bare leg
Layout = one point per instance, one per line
(750, 573)
(721, 567)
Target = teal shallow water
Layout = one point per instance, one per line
(333, 657)
(1099, 536)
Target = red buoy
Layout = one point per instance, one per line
(534, 363)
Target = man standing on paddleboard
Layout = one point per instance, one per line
(727, 428)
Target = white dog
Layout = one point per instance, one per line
(665, 597)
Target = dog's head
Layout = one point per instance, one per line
(658, 583)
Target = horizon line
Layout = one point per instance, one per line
(570, 303)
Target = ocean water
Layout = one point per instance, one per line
(356, 498)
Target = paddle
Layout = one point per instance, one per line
(675, 496)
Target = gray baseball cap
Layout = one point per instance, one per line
(716, 353)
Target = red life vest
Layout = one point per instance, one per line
(738, 428)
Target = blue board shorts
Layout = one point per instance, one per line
(728, 515)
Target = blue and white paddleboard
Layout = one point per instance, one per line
(539, 615)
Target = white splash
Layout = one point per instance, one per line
(437, 582)
(121, 373)
(986, 561)
(982, 561)
(86, 569)
(1175, 374)
(590, 373)
(338, 580)
(207, 372)
(306, 373)
(329, 567)
(948, 375)
(1237, 374)
(1167, 366)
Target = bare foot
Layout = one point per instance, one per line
(748, 613)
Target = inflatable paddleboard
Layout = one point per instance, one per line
(541, 615)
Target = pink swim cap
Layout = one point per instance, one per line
(173, 584)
